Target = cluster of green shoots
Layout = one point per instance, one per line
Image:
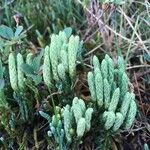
(60, 58)
(15, 73)
(112, 101)
(69, 124)
(108, 84)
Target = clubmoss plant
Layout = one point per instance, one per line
(15, 72)
(108, 84)
(60, 58)
(70, 124)
(47, 74)
(29, 58)
(56, 128)
(81, 127)
(21, 83)
(68, 118)
(73, 47)
(77, 118)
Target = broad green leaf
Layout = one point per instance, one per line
(27, 69)
(37, 60)
(6, 32)
(36, 78)
(18, 30)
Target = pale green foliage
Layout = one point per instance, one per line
(54, 55)
(96, 63)
(121, 64)
(13, 72)
(64, 57)
(47, 75)
(63, 51)
(78, 108)
(109, 118)
(29, 59)
(88, 117)
(61, 72)
(99, 86)
(131, 115)
(118, 121)
(92, 85)
(110, 69)
(118, 2)
(81, 126)
(114, 100)
(124, 84)
(63, 37)
(21, 83)
(106, 93)
(146, 147)
(56, 129)
(108, 85)
(76, 117)
(126, 103)
(104, 69)
(67, 122)
(73, 46)
(81, 105)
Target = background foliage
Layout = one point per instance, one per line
(117, 28)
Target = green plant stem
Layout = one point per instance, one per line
(55, 112)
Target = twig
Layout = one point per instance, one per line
(35, 138)
(129, 47)
(138, 66)
(138, 90)
(109, 28)
(93, 50)
(134, 30)
(140, 75)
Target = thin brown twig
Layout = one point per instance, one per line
(142, 74)
(109, 28)
(129, 22)
(140, 98)
(93, 50)
(137, 66)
